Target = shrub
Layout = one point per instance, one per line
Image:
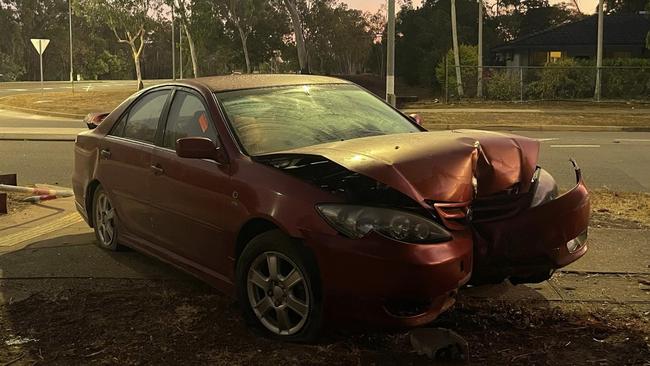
(502, 85)
(469, 63)
(628, 79)
(564, 79)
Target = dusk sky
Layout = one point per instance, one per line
(586, 6)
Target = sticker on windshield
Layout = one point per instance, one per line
(203, 122)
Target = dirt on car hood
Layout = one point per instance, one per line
(438, 166)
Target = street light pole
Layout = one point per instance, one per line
(454, 36)
(173, 46)
(180, 51)
(479, 87)
(70, 28)
(390, 55)
(599, 52)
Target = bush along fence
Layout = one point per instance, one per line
(568, 79)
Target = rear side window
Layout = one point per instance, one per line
(187, 118)
(142, 120)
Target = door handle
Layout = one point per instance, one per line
(157, 169)
(105, 153)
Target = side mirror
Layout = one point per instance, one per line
(199, 148)
(416, 118)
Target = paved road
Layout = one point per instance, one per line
(48, 162)
(9, 88)
(617, 160)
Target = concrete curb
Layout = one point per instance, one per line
(35, 137)
(40, 112)
(538, 128)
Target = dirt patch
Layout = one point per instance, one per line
(187, 323)
(15, 203)
(625, 210)
(80, 103)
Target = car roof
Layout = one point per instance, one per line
(253, 81)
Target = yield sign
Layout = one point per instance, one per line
(40, 44)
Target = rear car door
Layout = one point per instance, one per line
(190, 196)
(124, 168)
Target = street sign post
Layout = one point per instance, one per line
(40, 45)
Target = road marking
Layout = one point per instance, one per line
(632, 140)
(31, 233)
(548, 139)
(571, 146)
(19, 90)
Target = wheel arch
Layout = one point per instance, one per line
(251, 229)
(90, 194)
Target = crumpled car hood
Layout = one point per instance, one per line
(438, 166)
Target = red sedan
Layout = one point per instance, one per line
(313, 201)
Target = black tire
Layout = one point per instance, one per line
(102, 239)
(298, 257)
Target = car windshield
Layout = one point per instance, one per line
(268, 120)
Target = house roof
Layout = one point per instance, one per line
(626, 29)
(252, 81)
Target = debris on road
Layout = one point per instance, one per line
(35, 191)
(439, 344)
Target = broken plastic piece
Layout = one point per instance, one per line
(439, 344)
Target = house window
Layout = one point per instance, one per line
(554, 56)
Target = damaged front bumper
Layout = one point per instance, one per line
(530, 246)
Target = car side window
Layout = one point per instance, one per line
(187, 118)
(142, 120)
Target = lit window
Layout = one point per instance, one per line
(554, 56)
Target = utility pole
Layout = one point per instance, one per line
(70, 27)
(479, 86)
(180, 51)
(390, 56)
(454, 35)
(599, 52)
(173, 46)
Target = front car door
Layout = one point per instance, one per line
(124, 169)
(190, 196)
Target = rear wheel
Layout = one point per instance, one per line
(104, 221)
(278, 287)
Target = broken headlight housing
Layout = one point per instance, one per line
(357, 221)
(545, 188)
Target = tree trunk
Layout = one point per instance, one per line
(190, 41)
(300, 39)
(138, 71)
(244, 38)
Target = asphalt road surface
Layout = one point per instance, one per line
(617, 161)
(9, 88)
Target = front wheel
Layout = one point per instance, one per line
(278, 287)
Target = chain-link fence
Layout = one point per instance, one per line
(550, 82)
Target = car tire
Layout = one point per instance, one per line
(285, 304)
(105, 222)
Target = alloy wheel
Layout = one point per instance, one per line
(104, 220)
(278, 293)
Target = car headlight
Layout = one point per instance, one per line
(545, 188)
(357, 221)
